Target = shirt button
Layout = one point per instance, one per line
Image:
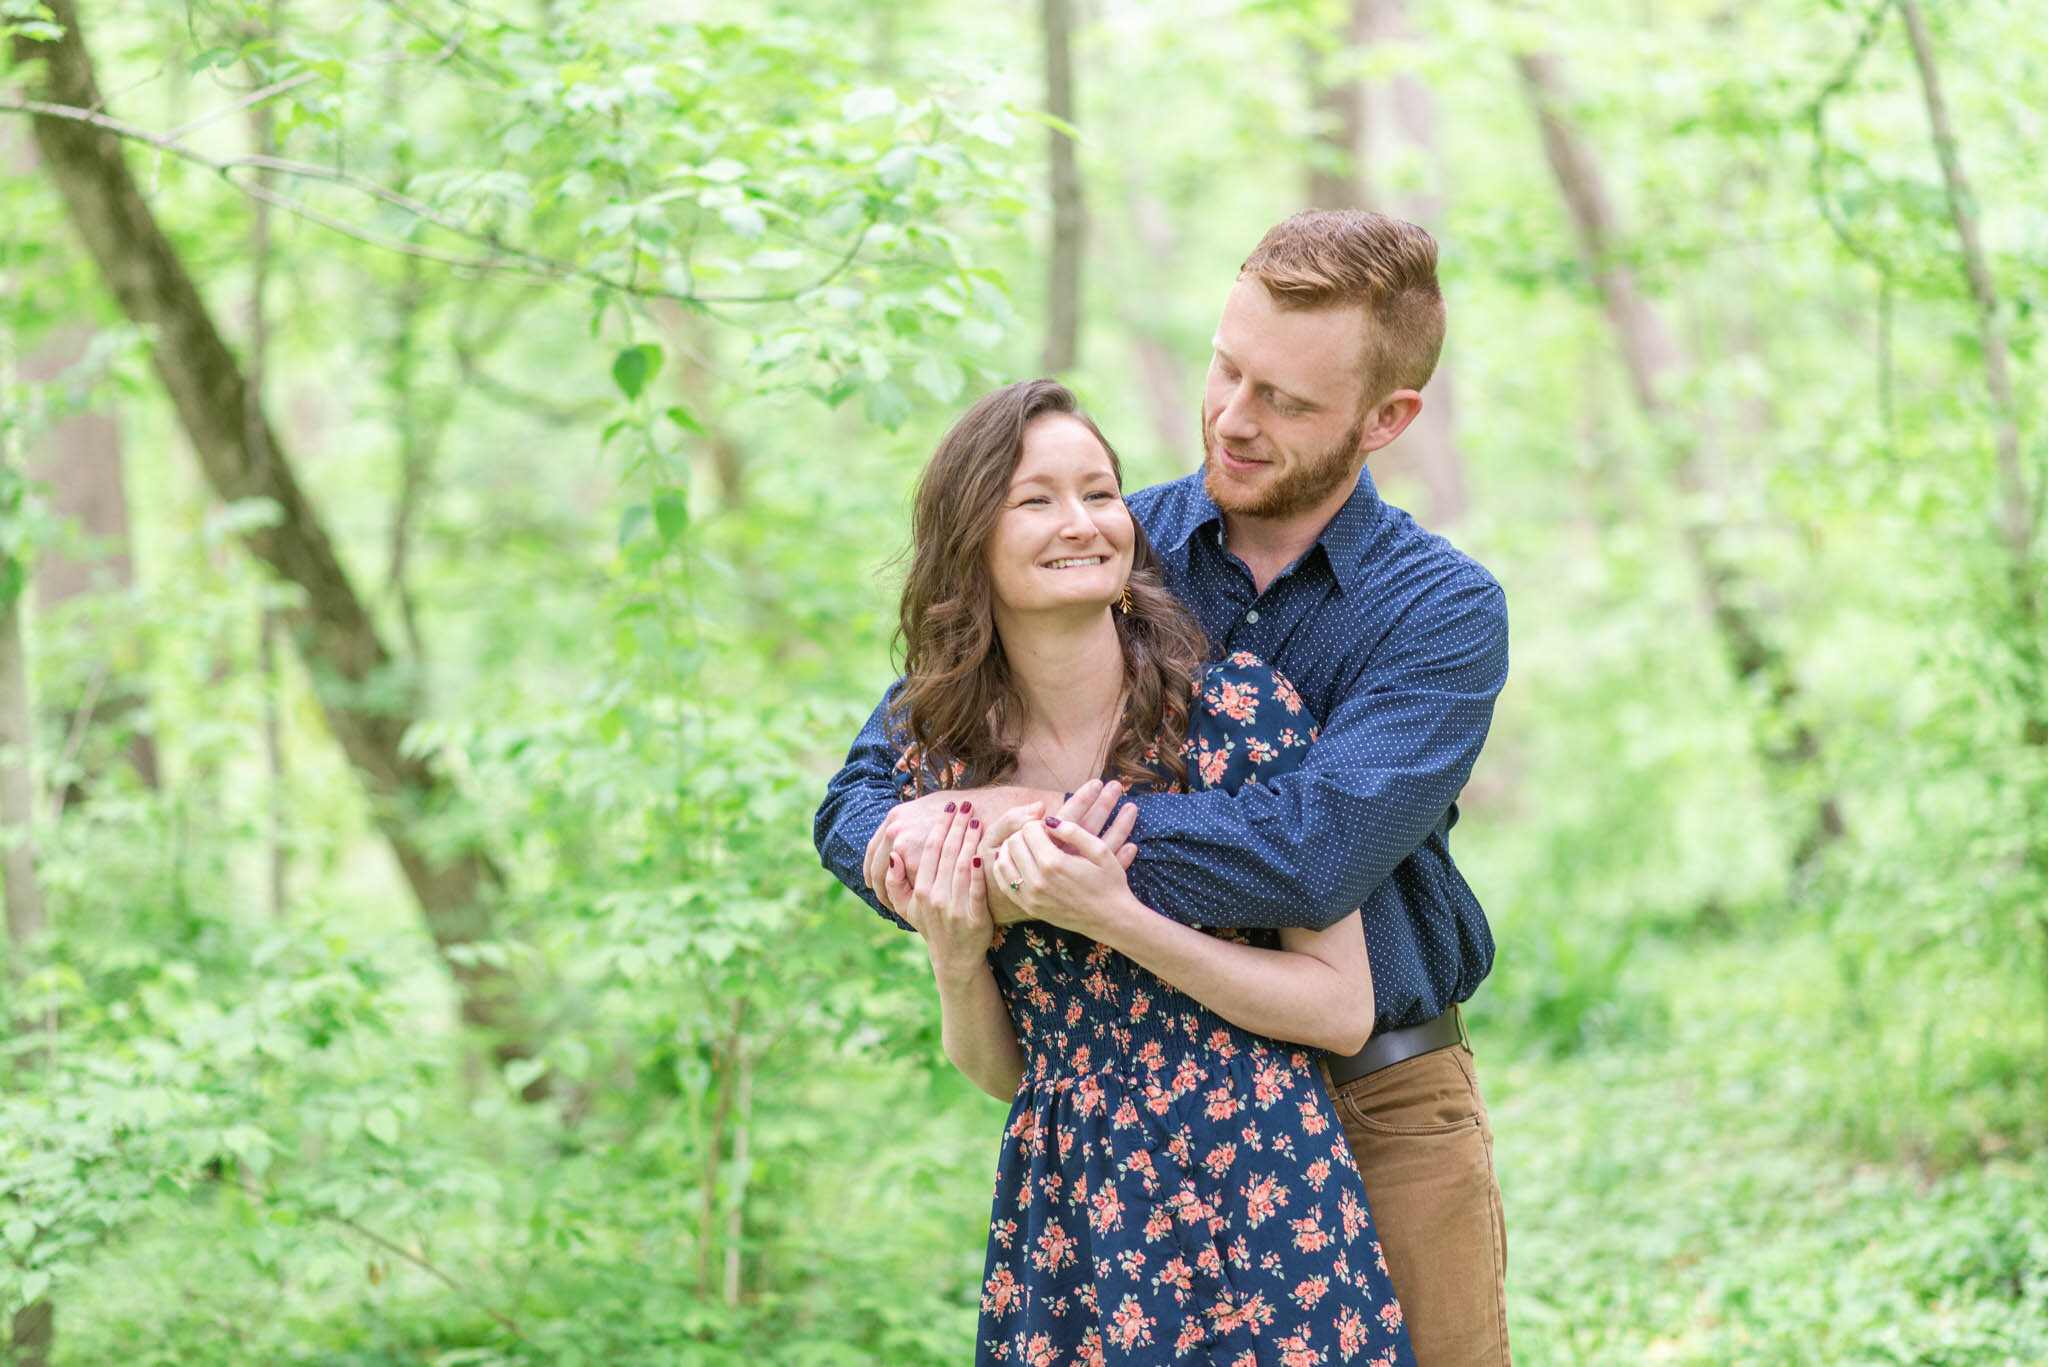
(1252, 617)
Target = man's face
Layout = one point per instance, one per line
(1284, 408)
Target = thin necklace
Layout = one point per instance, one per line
(1100, 752)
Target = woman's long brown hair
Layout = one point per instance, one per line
(958, 699)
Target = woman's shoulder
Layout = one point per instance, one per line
(1249, 720)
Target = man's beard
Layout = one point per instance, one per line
(1304, 486)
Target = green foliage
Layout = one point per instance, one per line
(611, 387)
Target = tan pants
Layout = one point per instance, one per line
(1419, 1132)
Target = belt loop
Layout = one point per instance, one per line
(1463, 1038)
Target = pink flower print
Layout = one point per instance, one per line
(1130, 1326)
(1187, 1077)
(1291, 739)
(1039, 1352)
(1313, 732)
(1244, 659)
(1141, 1002)
(1156, 1099)
(1355, 1218)
(1250, 1135)
(1221, 1044)
(1220, 1158)
(1190, 1334)
(1073, 1013)
(1263, 1197)
(1126, 1115)
(1269, 1083)
(1390, 1316)
(1088, 1097)
(1141, 1164)
(1319, 1173)
(1285, 694)
(1108, 1212)
(1223, 1104)
(1308, 1292)
(1212, 763)
(1379, 1256)
(1313, 1121)
(1178, 1275)
(1158, 1224)
(1132, 1264)
(1152, 1057)
(1238, 701)
(1254, 1314)
(1309, 1235)
(1258, 751)
(1091, 1350)
(1295, 1350)
(1067, 1137)
(1000, 1294)
(1056, 1248)
(1004, 1232)
(1352, 1332)
(1210, 1261)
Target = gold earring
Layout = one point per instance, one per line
(1124, 603)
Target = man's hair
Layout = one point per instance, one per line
(1342, 258)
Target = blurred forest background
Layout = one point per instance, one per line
(452, 456)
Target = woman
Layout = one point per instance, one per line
(1173, 1185)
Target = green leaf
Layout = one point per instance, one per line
(939, 376)
(887, 405)
(744, 219)
(631, 521)
(671, 514)
(522, 1073)
(632, 367)
(866, 103)
(685, 419)
(214, 57)
(382, 1123)
(19, 1232)
(33, 1285)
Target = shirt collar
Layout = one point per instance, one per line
(1343, 539)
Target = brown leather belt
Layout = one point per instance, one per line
(1390, 1047)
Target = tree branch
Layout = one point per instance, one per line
(522, 261)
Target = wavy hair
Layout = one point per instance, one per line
(958, 700)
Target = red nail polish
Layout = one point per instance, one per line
(977, 861)
(949, 806)
(974, 825)
(1052, 821)
(967, 806)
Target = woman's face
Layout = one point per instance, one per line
(1064, 538)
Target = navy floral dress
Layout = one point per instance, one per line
(1173, 1189)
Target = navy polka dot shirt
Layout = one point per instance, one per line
(1398, 643)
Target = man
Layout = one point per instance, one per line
(1398, 645)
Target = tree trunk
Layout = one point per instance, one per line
(1063, 287)
(1364, 124)
(32, 1327)
(1652, 358)
(238, 450)
(1336, 168)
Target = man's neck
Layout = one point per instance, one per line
(1268, 545)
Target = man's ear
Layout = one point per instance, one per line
(1390, 419)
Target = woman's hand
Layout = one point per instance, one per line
(1058, 871)
(945, 898)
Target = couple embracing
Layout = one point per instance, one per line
(1167, 788)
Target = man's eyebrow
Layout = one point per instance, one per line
(1271, 389)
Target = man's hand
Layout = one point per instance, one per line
(905, 831)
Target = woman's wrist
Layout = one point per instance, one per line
(954, 974)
